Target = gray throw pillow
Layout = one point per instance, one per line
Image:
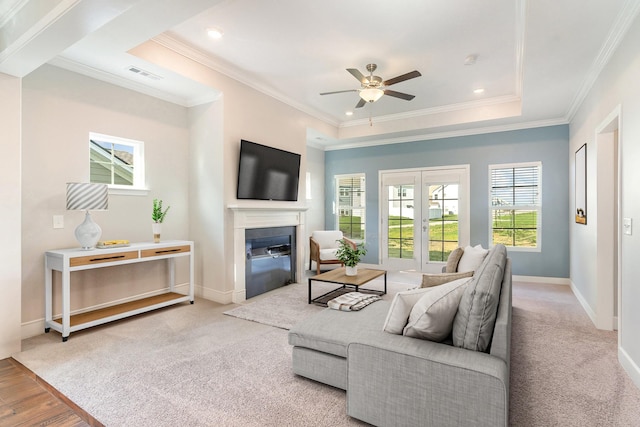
(453, 260)
(476, 317)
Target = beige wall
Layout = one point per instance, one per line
(247, 114)
(60, 108)
(10, 272)
(315, 214)
(617, 86)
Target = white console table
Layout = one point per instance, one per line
(68, 260)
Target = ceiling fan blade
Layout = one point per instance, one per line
(407, 76)
(357, 74)
(361, 103)
(400, 95)
(339, 91)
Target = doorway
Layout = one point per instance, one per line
(424, 216)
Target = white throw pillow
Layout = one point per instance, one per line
(471, 258)
(401, 306)
(431, 318)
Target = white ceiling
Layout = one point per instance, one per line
(535, 59)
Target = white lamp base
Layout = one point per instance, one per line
(88, 233)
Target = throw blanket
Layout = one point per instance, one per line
(353, 301)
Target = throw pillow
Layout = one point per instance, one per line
(453, 260)
(476, 316)
(429, 280)
(401, 306)
(432, 316)
(471, 258)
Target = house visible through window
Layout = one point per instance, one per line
(516, 205)
(115, 161)
(350, 212)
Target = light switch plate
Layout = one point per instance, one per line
(626, 226)
(58, 221)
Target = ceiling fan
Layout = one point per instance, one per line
(373, 87)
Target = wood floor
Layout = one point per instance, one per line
(28, 400)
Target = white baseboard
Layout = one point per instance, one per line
(543, 280)
(629, 366)
(36, 327)
(583, 302)
(222, 297)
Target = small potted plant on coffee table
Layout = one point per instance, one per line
(349, 253)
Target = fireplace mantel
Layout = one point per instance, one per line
(263, 216)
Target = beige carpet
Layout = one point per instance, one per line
(193, 365)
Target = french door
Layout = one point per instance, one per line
(424, 216)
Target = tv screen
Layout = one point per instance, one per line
(267, 173)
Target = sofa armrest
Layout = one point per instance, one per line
(314, 249)
(406, 381)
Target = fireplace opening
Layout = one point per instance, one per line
(270, 259)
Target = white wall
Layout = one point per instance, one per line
(247, 114)
(617, 85)
(10, 209)
(60, 108)
(315, 214)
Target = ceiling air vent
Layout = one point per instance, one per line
(144, 73)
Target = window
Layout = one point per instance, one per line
(350, 204)
(515, 205)
(115, 161)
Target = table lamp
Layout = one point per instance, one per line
(86, 196)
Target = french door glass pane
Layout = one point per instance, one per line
(443, 221)
(401, 211)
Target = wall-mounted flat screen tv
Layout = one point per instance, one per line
(267, 173)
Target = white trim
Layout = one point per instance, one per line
(221, 297)
(583, 302)
(629, 366)
(543, 280)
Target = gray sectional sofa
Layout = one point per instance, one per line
(395, 380)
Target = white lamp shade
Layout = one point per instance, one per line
(86, 196)
(371, 94)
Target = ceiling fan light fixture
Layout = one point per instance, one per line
(371, 94)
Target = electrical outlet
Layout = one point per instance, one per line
(626, 226)
(58, 221)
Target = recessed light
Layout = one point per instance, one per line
(349, 113)
(478, 91)
(215, 33)
(470, 59)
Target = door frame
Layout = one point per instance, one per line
(464, 229)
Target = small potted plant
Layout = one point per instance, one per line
(157, 216)
(349, 254)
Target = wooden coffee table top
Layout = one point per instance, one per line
(338, 276)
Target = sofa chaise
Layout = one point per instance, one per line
(403, 381)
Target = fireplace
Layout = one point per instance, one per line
(260, 216)
(270, 259)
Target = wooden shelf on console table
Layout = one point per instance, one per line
(69, 260)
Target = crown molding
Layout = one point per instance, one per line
(619, 29)
(11, 11)
(480, 103)
(449, 134)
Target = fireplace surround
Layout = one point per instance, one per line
(263, 216)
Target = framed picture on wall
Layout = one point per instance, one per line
(581, 185)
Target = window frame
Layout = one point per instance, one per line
(139, 183)
(338, 208)
(525, 207)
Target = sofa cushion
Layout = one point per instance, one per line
(327, 238)
(474, 322)
(432, 316)
(429, 280)
(472, 258)
(453, 260)
(401, 306)
(331, 331)
(328, 254)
